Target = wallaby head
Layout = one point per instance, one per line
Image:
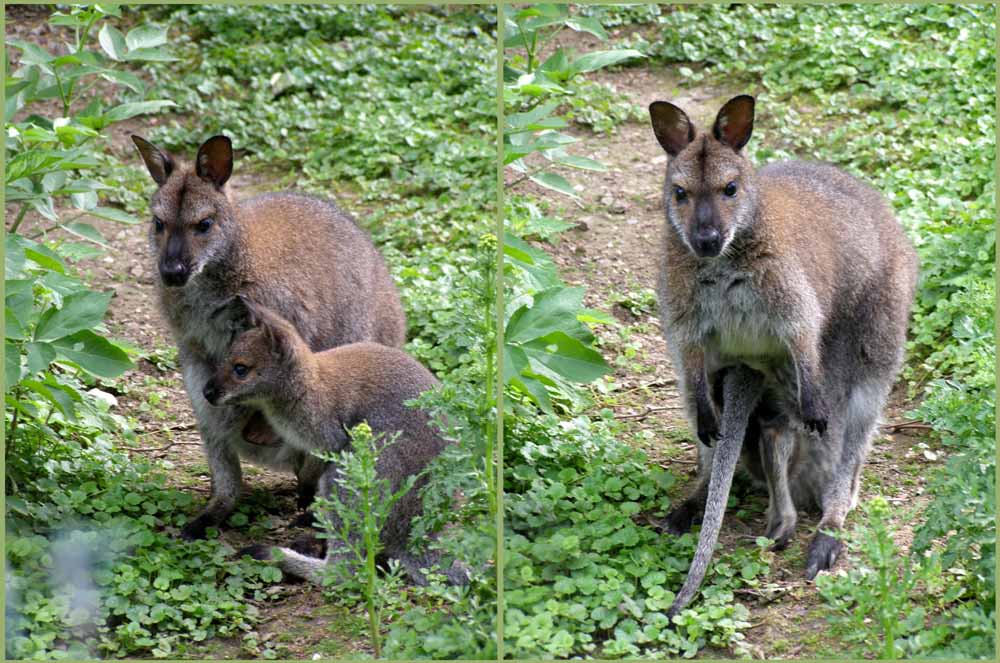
(261, 360)
(710, 192)
(193, 218)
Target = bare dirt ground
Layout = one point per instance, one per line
(613, 252)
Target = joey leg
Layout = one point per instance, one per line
(777, 445)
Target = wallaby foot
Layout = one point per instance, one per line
(258, 431)
(781, 530)
(198, 528)
(310, 545)
(258, 551)
(814, 410)
(823, 552)
(680, 520)
(305, 519)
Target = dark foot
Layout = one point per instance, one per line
(258, 551)
(309, 545)
(305, 496)
(705, 419)
(823, 552)
(258, 431)
(680, 520)
(197, 528)
(782, 534)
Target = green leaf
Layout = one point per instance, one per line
(588, 24)
(600, 59)
(133, 108)
(40, 355)
(86, 231)
(61, 396)
(32, 54)
(112, 41)
(112, 214)
(79, 311)
(94, 354)
(578, 162)
(145, 36)
(551, 311)
(149, 55)
(12, 364)
(567, 356)
(554, 181)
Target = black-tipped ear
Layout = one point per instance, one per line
(671, 125)
(158, 163)
(214, 162)
(734, 124)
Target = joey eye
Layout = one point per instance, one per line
(730, 189)
(240, 370)
(204, 225)
(680, 194)
(157, 224)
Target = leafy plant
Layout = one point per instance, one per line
(361, 501)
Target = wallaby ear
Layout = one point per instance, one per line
(671, 125)
(734, 124)
(158, 163)
(279, 332)
(214, 162)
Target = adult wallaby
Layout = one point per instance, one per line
(797, 271)
(297, 254)
(313, 399)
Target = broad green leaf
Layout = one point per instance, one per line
(145, 36)
(86, 231)
(554, 181)
(60, 396)
(600, 59)
(13, 328)
(32, 54)
(149, 55)
(588, 24)
(112, 214)
(19, 298)
(515, 364)
(131, 109)
(94, 354)
(567, 356)
(40, 355)
(82, 310)
(126, 78)
(595, 317)
(583, 163)
(12, 365)
(112, 41)
(552, 310)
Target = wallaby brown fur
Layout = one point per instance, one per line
(798, 271)
(299, 255)
(313, 399)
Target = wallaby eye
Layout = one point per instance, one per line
(730, 189)
(204, 225)
(240, 370)
(680, 194)
(157, 224)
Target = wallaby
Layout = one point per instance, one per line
(802, 273)
(298, 254)
(313, 399)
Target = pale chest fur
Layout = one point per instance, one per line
(200, 319)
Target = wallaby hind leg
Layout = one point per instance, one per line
(839, 495)
(777, 445)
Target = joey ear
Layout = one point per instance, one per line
(734, 124)
(278, 334)
(671, 125)
(158, 163)
(214, 162)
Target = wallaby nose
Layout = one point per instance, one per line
(210, 392)
(707, 242)
(174, 273)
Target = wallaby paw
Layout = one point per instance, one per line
(781, 532)
(680, 520)
(309, 545)
(259, 551)
(708, 425)
(823, 552)
(197, 528)
(814, 414)
(304, 497)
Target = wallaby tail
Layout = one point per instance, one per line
(742, 388)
